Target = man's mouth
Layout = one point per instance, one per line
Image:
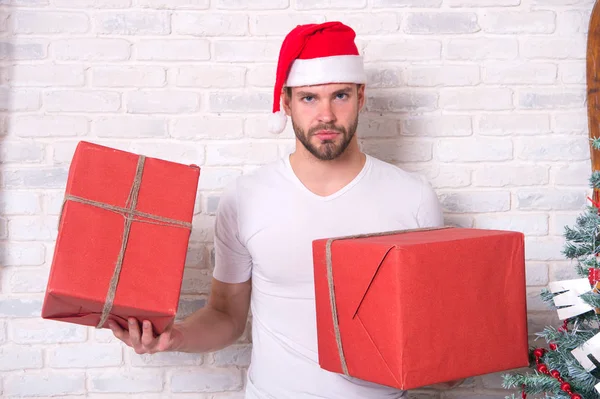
(326, 134)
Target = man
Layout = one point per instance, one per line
(266, 222)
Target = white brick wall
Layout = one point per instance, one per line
(486, 98)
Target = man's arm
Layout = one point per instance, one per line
(217, 325)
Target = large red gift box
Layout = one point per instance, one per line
(122, 238)
(413, 308)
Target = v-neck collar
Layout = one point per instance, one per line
(341, 191)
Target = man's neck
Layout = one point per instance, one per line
(327, 177)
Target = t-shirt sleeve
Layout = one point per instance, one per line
(430, 213)
(233, 263)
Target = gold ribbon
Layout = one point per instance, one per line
(332, 300)
(130, 214)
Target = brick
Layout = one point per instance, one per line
(377, 127)
(52, 200)
(3, 327)
(528, 224)
(217, 178)
(246, 50)
(16, 307)
(204, 127)
(544, 249)
(573, 48)
(197, 256)
(49, 126)
(252, 4)
(82, 101)
(563, 271)
(550, 199)
(21, 152)
(482, 3)
(96, 355)
(570, 122)
(402, 50)
(241, 153)
(176, 152)
(40, 177)
(552, 149)
(402, 101)
(212, 204)
(173, 50)
(235, 355)
(570, 22)
(19, 357)
(561, 2)
(162, 102)
(21, 49)
(513, 124)
(473, 150)
(572, 73)
(441, 23)
(24, 2)
(166, 359)
(475, 201)
(196, 281)
(561, 220)
(19, 203)
(368, 24)
(511, 175)
(536, 274)
(132, 23)
(19, 99)
(261, 75)
(104, 336)
(64, 150)
(446, 176)
(280, 24)
(406, 3)
(129, 126)
(394, 151)
(551, 98)
(384, 77)
(91, 49)
(213, 24)
(475, 49)
(222, 76)
(525, 73)
(476, 98)
(518, 21)
(48, 22)
(47, 76)
(32, 228)
(572, 174)
(129, 382)
(22, 254)
(174, 4)
(44, 383)
(239, 102)
(92, 3)
(188, 306)
(210, 380)
(449, 75)
(326, 4)
(256, 127)
(129, 76)
(27, 281)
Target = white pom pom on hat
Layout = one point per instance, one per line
(315, 54)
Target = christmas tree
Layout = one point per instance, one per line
(568, 365)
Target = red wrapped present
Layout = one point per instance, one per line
(122, 239)
(413, 308)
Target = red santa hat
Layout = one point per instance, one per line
(315, 54)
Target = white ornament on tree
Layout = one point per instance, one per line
(574, 288)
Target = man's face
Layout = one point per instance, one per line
(325, 117)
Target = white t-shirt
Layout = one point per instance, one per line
(266, 222)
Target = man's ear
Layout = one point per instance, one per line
(285, 101)
(361, 96)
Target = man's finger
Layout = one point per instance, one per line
(134, 332)
(147, 334)
(118, 332)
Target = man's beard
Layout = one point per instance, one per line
(328, 150)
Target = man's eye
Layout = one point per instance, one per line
(342, 96)
(307, 98)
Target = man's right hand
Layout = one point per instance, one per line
(145, 341)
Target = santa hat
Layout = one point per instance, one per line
(315, 54)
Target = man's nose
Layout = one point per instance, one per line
(326, 114)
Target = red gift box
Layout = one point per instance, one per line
(122, 239)
(413, 308)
